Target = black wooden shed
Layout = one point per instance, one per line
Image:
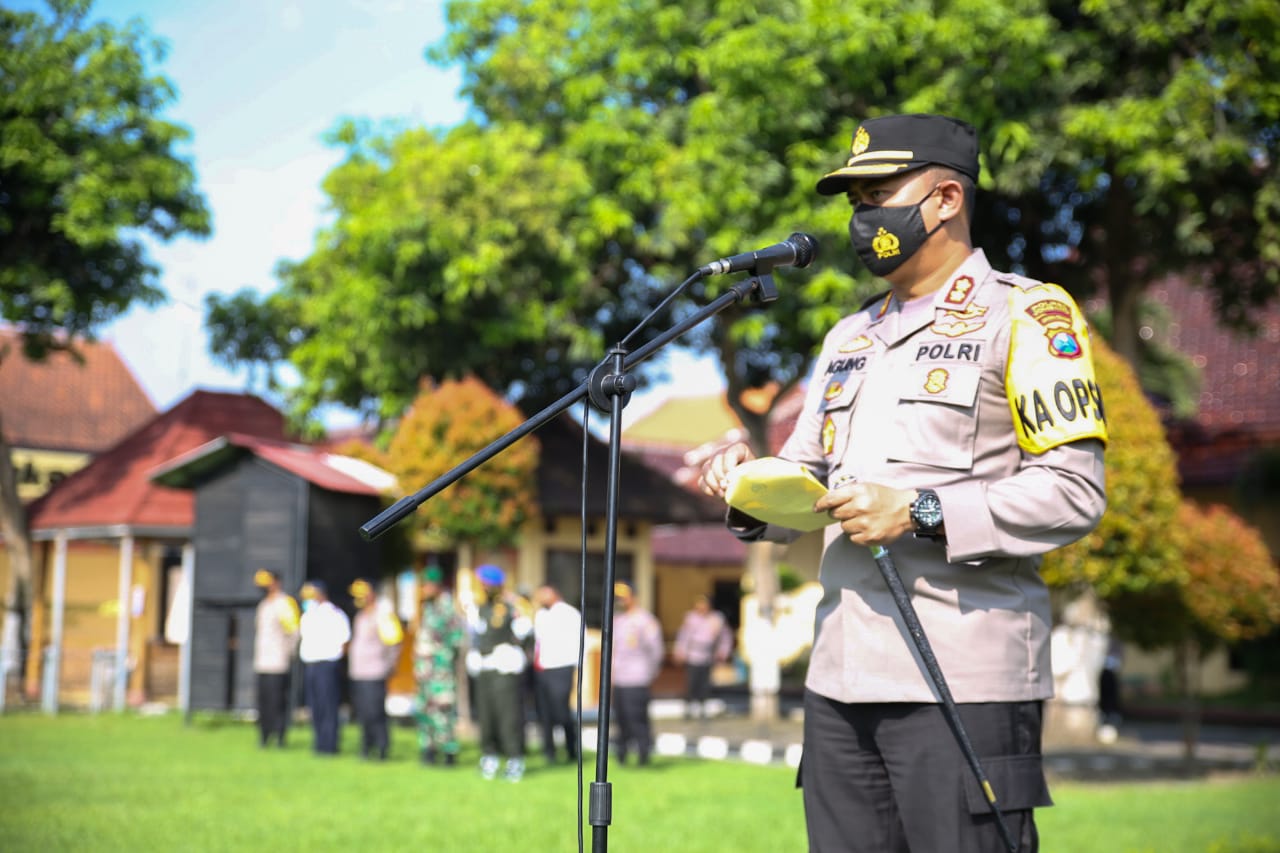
(262, 504)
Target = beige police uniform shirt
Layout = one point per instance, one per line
(987, 397)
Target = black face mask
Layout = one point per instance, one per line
(885, 237)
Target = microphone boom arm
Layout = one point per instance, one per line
(759, 286)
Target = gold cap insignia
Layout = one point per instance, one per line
(861, 141)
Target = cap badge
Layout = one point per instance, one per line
(936, 381)
(861, 142)
(885, 245)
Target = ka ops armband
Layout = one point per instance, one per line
(1053, 395)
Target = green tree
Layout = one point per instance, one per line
(87, 166)
(616, 146)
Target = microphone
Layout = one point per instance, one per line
(798, 250)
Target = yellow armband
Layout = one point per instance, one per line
(389, 630)
(289, 615)
(1053, 395)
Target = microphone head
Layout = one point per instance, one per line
(806, 248)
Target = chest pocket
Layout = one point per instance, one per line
(936, 418)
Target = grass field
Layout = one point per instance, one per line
(149, 784)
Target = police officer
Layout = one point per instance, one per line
(436, 641)
(956, 420)
(275, 636)
(376, 636)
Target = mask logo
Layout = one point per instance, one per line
(885, 245)
(828, 436)
(936, 381)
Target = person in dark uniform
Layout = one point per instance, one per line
(956, 421)
(499, 632)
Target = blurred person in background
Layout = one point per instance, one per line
(376, 636)
(274, 640)
(324, 632)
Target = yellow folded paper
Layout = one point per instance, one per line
(777, 491)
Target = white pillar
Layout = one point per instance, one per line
(184, 654)
(123, 616)
(53, 671)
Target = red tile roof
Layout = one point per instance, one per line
(330, 471)
(1240, 373)
(115, 489)
(62, 403)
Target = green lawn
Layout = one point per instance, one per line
(129, 783)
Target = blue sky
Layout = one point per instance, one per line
(258, 84)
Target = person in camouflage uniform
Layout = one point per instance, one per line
(435, 649)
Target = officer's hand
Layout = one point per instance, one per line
(715, 472)
(869, 513)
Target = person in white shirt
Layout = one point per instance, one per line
(324, 631)
(557, 633)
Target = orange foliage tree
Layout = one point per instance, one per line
(446, 425)
(1131, 550)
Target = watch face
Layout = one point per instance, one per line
(927, 511)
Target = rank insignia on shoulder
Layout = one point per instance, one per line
(959, 290)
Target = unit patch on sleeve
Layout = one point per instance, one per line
(1053, 395)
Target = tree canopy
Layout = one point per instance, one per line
(612, 148)
(86, 165)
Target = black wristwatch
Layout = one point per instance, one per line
(926, 513)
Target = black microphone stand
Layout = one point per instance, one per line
(609, 387)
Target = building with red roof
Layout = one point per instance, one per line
(61, 411)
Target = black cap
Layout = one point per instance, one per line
(892, 145)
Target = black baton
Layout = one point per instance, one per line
(894, 581)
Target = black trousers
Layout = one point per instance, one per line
(554, 686)
(501, 712)
(890, 777)
(273, 709)
(369, 701)
(631, 709)
(697, 681)
(322, 683)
